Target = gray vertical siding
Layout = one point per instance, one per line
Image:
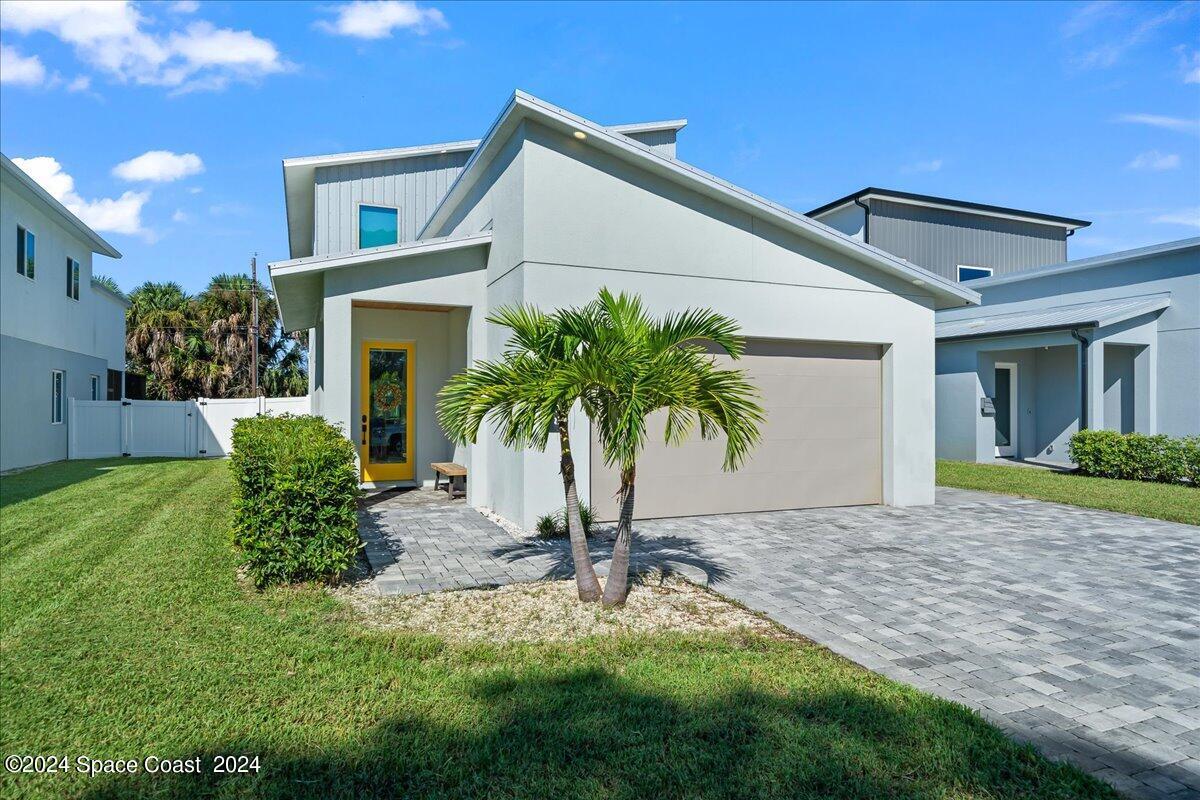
(941, 240)
(414, 185)
(662, 142)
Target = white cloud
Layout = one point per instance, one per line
(115, 38)
(1108, 53)
(159, 166)
(1177, 124)
(1156, 161)
(80, 84)
(180, 216)
(115, 215)
(184, 7)
(1189, 64)
(1184, 216)
(20, 70)
(1088, 16)
(932, 165)
(376, 19)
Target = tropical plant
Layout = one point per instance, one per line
(632, 365)
(527, 395)
(201, 346)
(108, 283)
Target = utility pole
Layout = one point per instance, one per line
(254, 325)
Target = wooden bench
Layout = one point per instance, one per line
(456, 477)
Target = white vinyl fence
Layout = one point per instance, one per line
(175, 428)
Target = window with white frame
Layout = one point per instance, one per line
(72, 279)
(26, 252)
(95, 387)
(57, 378)
(969, 273)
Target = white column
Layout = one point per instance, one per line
(1145, 389)
(1095, 386)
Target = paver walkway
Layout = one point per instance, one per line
(1075, 629)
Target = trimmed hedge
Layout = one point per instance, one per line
(1137, 457)
(294, 504)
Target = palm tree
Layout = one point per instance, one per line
(633, 365)
(527, 397)
(162, 340)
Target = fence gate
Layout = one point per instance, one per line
(170, 428)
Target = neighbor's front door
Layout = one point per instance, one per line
(387, 434)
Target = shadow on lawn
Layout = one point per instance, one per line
(27, 484)
(585, 734)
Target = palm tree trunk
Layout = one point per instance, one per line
(585, 575)
(617, 587)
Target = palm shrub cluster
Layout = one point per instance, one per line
(620, 365)
(199, 346)
(295, 499)
(1136, 456)
(558, 526)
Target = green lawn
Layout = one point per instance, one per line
(125, 635)
(1174, 502)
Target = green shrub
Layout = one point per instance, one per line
(294, 502)
(1136, 456)
(554, 526)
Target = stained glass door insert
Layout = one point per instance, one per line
(386, 434)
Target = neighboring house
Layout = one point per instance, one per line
(958, 240)
(61, 336)
(1107, 342)
(398, 256)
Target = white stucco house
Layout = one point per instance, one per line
(61, 335)
(398, 256)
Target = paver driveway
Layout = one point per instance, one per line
(1075, 629)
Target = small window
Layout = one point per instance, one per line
(72, 279)
(114, 384)
(56, 396)
(26, 252)
(973, 273)
(377, 226)
(95, 387)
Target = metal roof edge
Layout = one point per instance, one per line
(1092, 262)
(311, 264)
(948, 202)
(690, 174)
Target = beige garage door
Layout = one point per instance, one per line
(820, 447)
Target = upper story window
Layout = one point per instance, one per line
(26, 252)
(966, 273)
(95, 387)
(377, 226)
(72, 279)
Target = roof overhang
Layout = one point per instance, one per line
(1095, 262)
(299, 286)
(947, 204)
(33, 192)
(1097, 314)
(299, 175)
(522, 106)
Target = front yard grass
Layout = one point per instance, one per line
(125, 634)
(1172, 502)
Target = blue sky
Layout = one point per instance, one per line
(164, 124)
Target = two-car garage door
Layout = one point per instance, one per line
(820, 445)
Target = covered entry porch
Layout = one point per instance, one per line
(1020, 384)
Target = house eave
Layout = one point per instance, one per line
(40, 195)
(948, 204)
(522, 105)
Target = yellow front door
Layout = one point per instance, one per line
(387, 432)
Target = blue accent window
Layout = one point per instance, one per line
(377, 226)
(971, 273)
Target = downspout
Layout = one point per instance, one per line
(1083, 377)
(866, 220)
